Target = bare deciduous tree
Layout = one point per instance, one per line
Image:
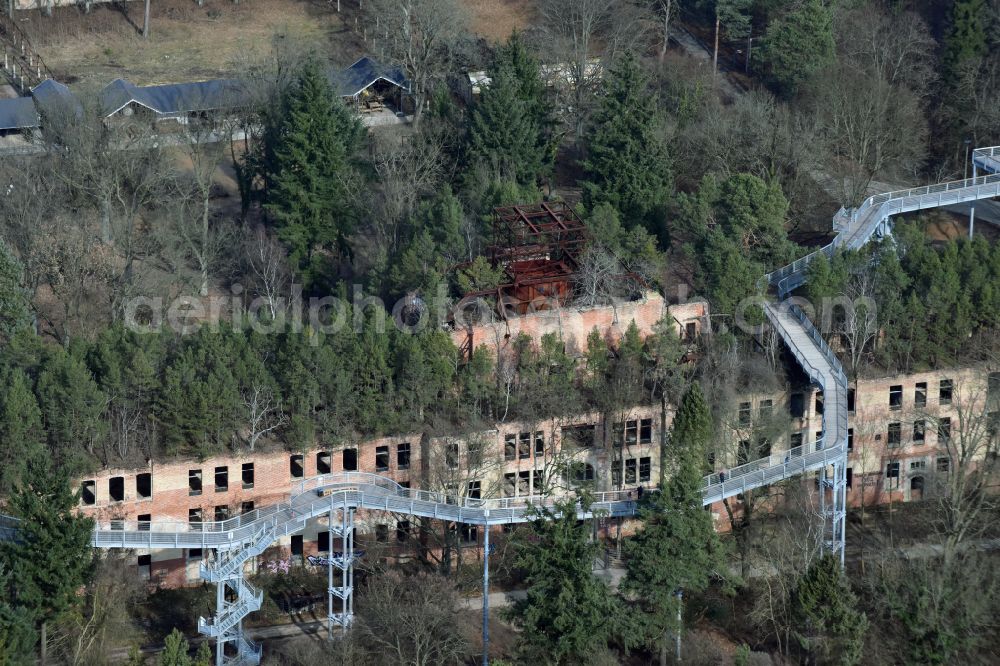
(412, 620)
(261, 412)
(421, 36)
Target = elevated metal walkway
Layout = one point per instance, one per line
(338, 496)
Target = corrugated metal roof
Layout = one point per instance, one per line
(366, 71)
(53, 97)
(174, 98)
(18, 113)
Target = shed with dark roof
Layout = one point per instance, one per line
(18, 113)
(363, 74)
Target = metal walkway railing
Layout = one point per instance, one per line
(238, 539)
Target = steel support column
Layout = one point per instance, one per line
(972, 207)
(486, 593)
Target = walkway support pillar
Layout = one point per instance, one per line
(972, 208)
(486, 591)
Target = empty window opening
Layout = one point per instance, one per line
(403, 456)
(539, 444)
(247, 475)
(350, 459)
(221, 513)
(510, 447)
(194, 553)
(743, 452)
(88, 493)
(896, 397)
(451, 455)
(850, 400)
(295, 466)
(116, 488)
(381, 458)
(246, 507)
(993, 385)
(797, 405)
(795, 440)
(402, 530)
(945, 389)
(645, 431)
(920, 394)
(381, 533)
(645, 469)
(584, 472)
(144, 485)
(323, 460)
(918, 464)
(475, 490)
(630, 471)
(474, 451)
(690, 331)
(323, 542)
(509, 484)
(470, 533)
(917, 483)
(850, 439)
(892, 474)
(524, 483)
(895, 437)
(297, 544)
(145, 563)
(765, 409)
(144, 520)
(580, 435)
(221, 479)
(943, 464)
(944, 429)
(194, 519)
(744, 414)
(919, 430)
(524, 445)
(819, 402)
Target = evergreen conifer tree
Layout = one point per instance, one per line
(310, 173)
(22, 436)
(568, 613)
(52, 559)
(830, 626)
(504, 133)
(15, 301)
(799, 44)
(678, 548)
(627, 163)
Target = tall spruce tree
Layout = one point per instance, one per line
(568, 614)
(15, 300)
(829, 624)
(22, 436)
(311, 173)
(504, 133)
(627, 163)
(966, 40)
(678, 549)
(799, 44)
(52, 558)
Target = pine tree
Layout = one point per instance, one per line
(568, 613)
(830, 626)
(678, 548)
(966, 41)
(799, 44)
(52, 559)
(21, 431)
(15, 300)
(73, 406)
(504, 134)
(175, 650)
(311, 172)
(627, 163)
